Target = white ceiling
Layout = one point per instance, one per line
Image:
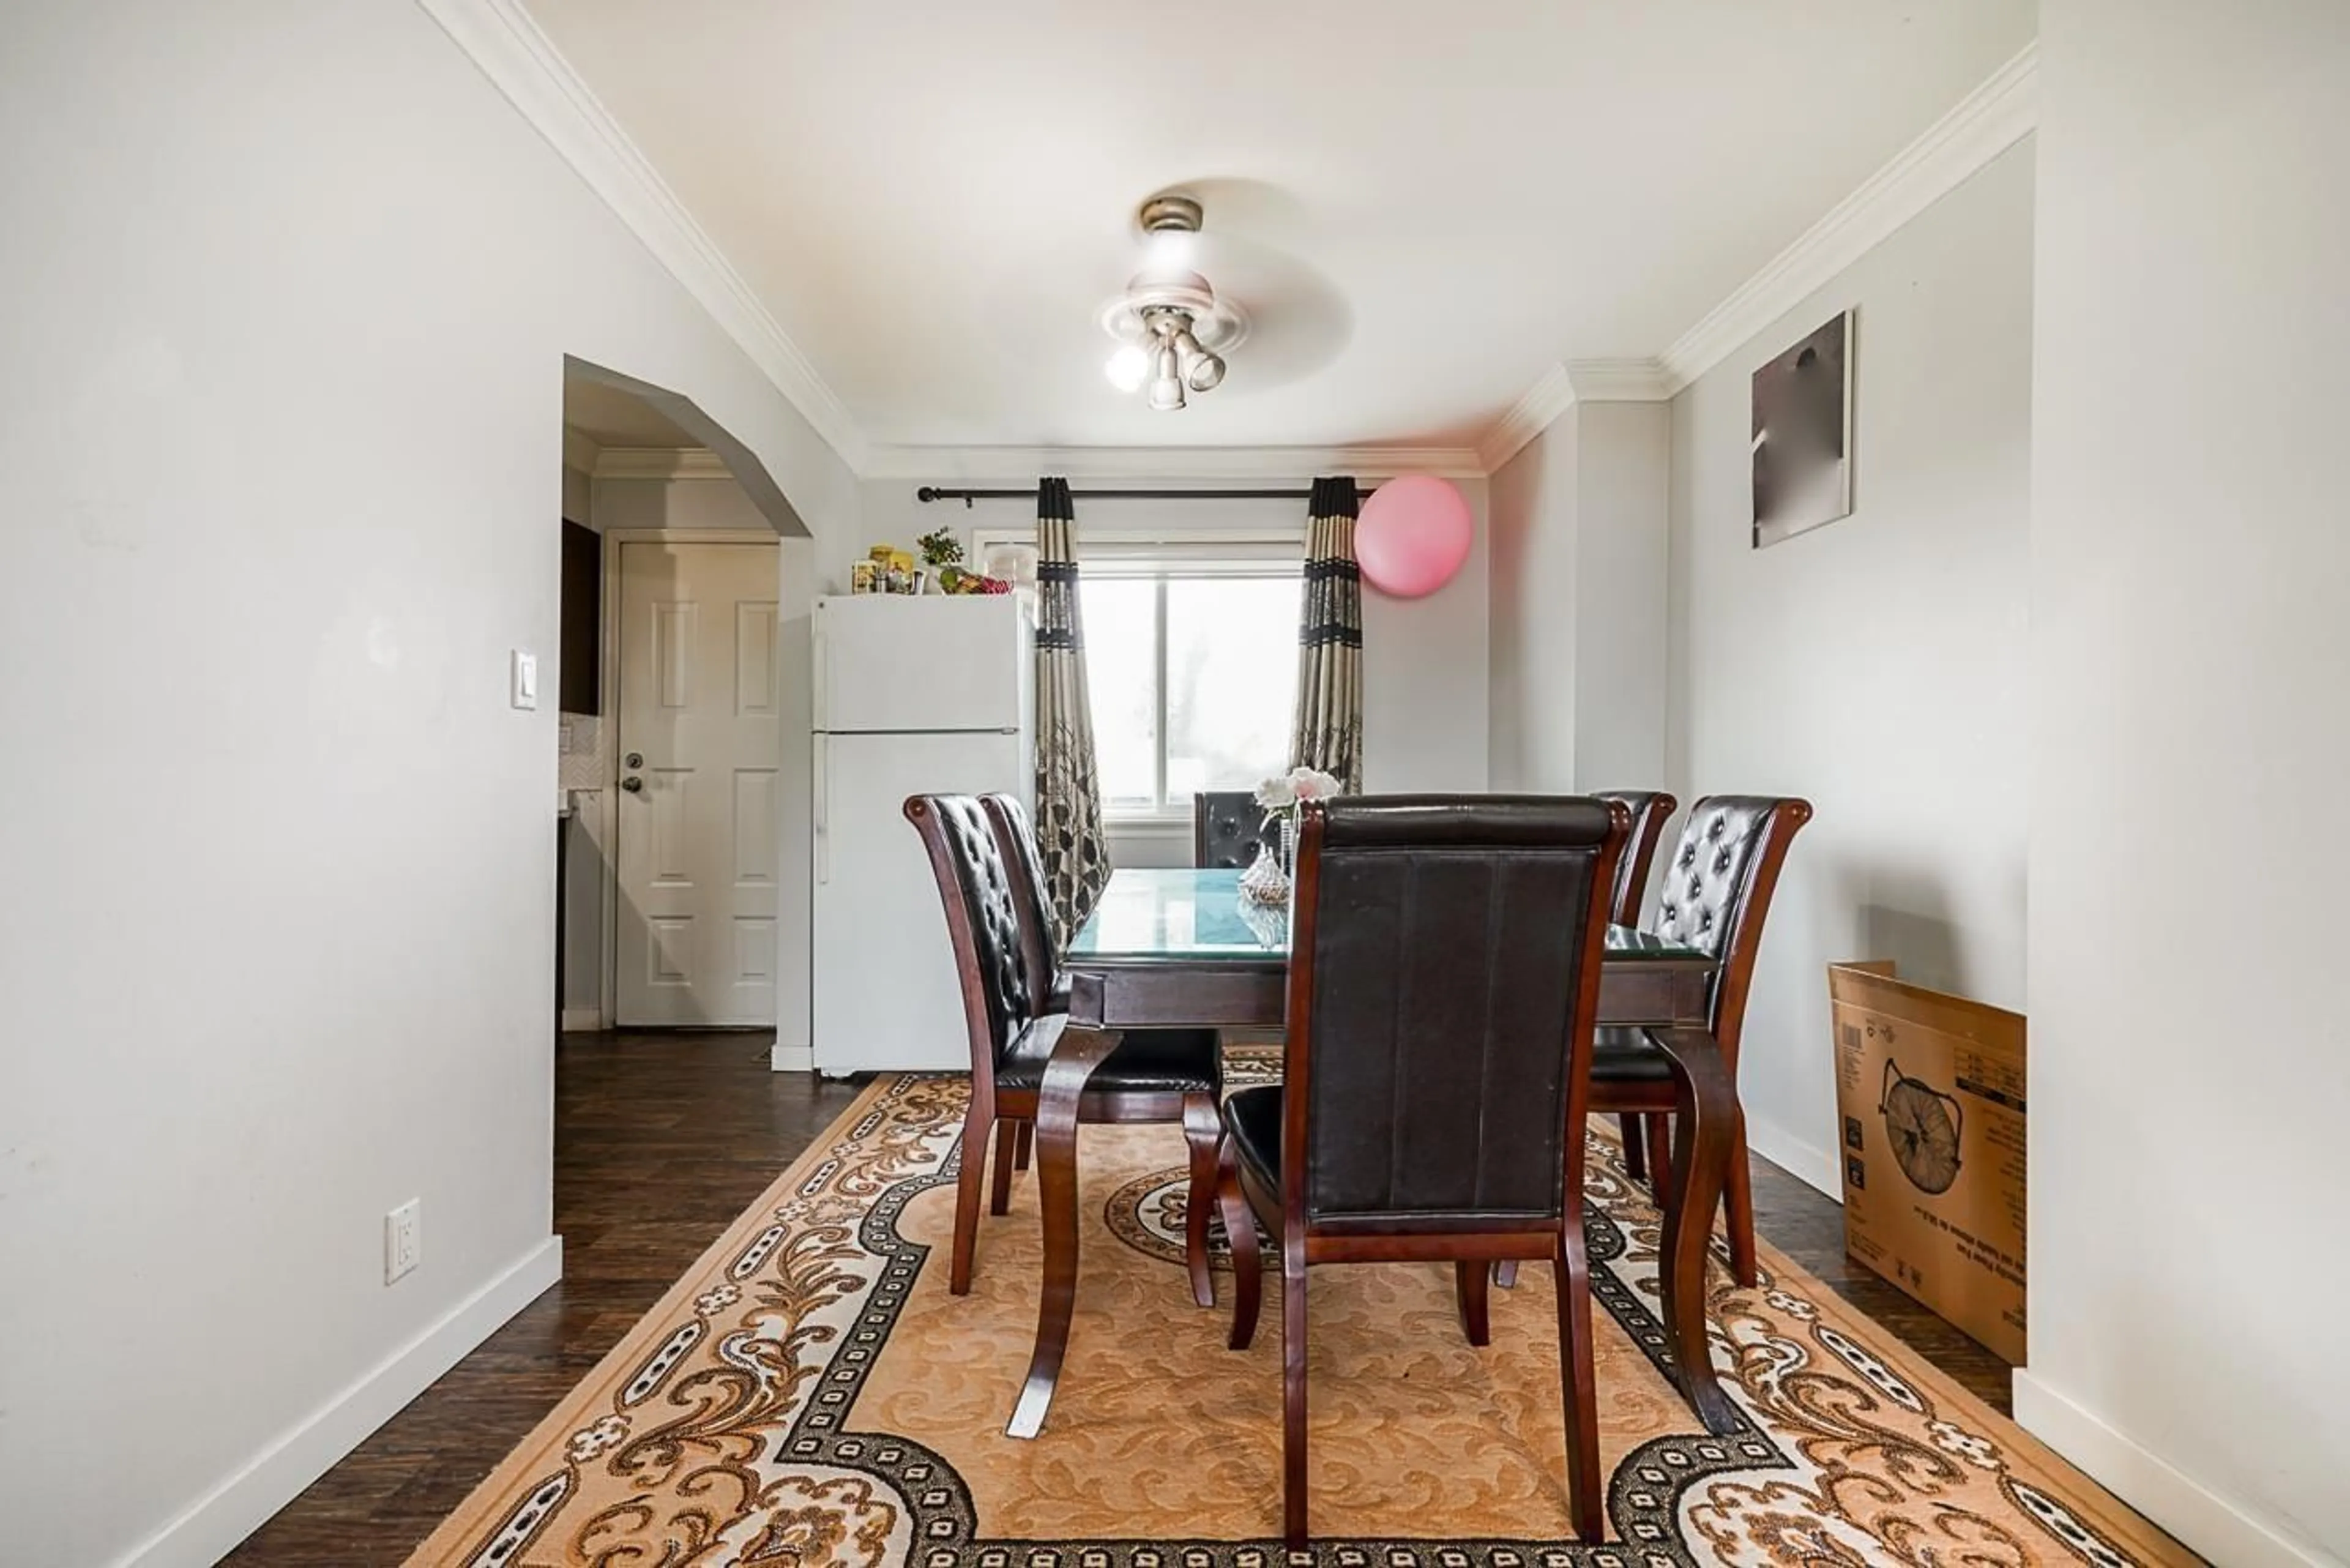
(1424, 207)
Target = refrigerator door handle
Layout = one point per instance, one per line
(822, 749)
(819, 665)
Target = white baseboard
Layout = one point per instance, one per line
(1805, 1161)
(205, 1531)
(791, 1058)
(2216, 1527)
(582, 1018)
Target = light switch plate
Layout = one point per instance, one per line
(526, 679)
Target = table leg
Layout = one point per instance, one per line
(1075, 1058)
(1705, 1132)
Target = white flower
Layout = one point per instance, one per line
(1312, 784)
(1284, 791)
(717, 1299)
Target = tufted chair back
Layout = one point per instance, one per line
(1443, 980)
(1016, 839)
(983, 921)
(1650, 809)
(1716, 890)
(1226, 827)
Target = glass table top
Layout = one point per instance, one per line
(1149, 916)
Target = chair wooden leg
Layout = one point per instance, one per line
(1738, 1198)
(1248, 1263)
(1469, 1281)
(976, 1123)
(1292, 1391)
(1025, 1147)
(1586, 1498)
(1636, 1164)
(1203, 1131)
(1660, 1156)
(999, 1194)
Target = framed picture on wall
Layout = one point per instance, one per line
(1801, 434)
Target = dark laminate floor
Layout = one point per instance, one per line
(659, 1141)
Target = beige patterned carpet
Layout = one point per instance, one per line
(809, 1393)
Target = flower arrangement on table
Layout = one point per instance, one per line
(1283, 796)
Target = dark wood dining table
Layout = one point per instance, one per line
(1181, 949)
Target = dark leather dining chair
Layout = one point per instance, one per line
(1151, 1075)
(1443, 980)
(1226, 827)
(1713, 894)
(1650, 809)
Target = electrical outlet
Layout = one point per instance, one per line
(403, 1239)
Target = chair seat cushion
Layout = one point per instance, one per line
(1628, 1056)
(1253, 1115)
(1144, 1060)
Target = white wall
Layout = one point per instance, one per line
(1529, 642)
(1424, 660)
(1577, 635)
(1875, 666)
(2191, 650)
(1622, 507)
(281, 954)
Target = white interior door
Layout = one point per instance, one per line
(700, 803)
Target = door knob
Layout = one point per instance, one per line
(632, 784)
(633, 759)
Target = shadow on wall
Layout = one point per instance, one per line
(1902, 913)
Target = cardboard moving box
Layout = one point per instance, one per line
(1930, 1108)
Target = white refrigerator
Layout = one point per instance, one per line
(929, 694)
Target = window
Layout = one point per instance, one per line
(1191, 663)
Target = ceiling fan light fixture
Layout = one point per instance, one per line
(1171, 328)
(1167, 386)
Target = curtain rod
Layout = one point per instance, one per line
(930, 493)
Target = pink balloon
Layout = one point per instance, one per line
(1413, 534)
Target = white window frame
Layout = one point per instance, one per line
(1156, 556)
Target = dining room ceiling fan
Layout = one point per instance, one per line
(1173, 330)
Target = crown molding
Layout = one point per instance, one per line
(659, 463)
(1985, 123)
(1617, 380)
(1284, 465)
(522, 63)
(579, 451)
(1528, 418)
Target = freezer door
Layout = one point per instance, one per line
(894, 662)
(887, 997)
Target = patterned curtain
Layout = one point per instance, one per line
(1330, 733)
(1068, 794)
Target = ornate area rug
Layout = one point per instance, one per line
(809, 1393)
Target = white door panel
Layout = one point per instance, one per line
(699, 835)
(888, 663)
(886, 992)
